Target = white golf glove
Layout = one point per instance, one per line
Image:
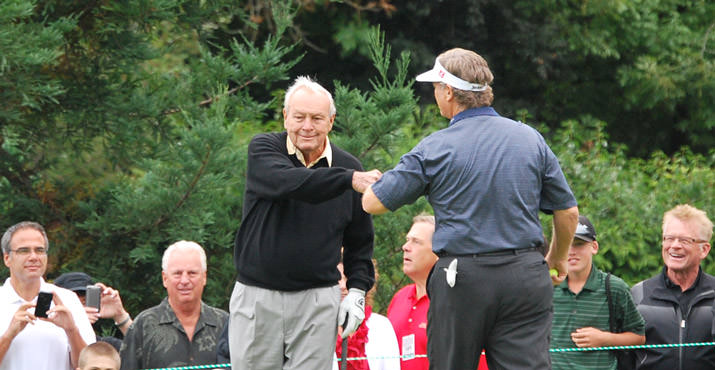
(352, 309)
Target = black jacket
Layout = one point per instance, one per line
(657, 299)
(295, 219)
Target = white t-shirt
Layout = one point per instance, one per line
(44, 345)
(381, 349)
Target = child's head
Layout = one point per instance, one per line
(99, 356)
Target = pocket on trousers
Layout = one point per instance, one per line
(243, 302)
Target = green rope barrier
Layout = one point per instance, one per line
(575, 349)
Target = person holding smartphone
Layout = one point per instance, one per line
(44, 344)
(100, 302)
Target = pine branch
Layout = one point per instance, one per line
(212, 99)
(189, 190)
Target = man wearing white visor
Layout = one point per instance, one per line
(486, 177)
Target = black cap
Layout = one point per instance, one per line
(74, 281)
(585, 230)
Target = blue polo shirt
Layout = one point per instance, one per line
(486, 178)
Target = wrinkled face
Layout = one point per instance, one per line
(184, 278)
(581, 255)
(343, 282)
(417, 256)
(678, 256)
(308, 121)
(27, 259)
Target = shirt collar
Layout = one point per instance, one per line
(472, 112)
(168, 316)
(592, 283)
(327, 153)
(12, 295)
(671, 285)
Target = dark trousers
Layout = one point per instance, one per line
(502, 304)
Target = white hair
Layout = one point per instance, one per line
(183, 245)
(305, 82)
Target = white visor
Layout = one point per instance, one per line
(440, 74)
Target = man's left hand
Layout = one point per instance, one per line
(352, 310)
(60, 315)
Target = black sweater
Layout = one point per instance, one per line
(295, 219)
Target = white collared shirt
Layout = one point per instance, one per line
(41, 345)
(327, 153)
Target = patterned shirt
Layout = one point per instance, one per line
(589, 308)
(156, 339)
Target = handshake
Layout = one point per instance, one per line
(361, 180)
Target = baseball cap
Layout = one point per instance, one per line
(585, 230)
(74, 281)
(440, 74)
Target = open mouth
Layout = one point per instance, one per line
(676, 256)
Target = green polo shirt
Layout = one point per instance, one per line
(589, 308)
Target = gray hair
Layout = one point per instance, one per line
(21, 226)
(183, 245)
(307, 83)
(423, 217)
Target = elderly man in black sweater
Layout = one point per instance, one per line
(301, 205)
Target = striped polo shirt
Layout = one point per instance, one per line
(589, 308)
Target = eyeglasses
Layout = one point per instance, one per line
(24, 251)
(684, 240)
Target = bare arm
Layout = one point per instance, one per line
(62, 317)
(21, 318)
(565, 222)
(372, 205)
(112, 308)
(592, 337)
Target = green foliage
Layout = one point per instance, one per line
(625, 198)
(124, 125)
(26, 50)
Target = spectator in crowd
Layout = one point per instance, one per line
(486, 177)
(110, 303)
(677, 304)
(299, 209)
(182, 330)
(408, 309)
(51, 343)
(581, 309)
(374, 338)
(99, 356)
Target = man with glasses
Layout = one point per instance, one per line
(47, 343)
(677, 304)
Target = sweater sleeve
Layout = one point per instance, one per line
(272, 175)
(357, 249)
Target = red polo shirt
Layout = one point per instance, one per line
(408, 316)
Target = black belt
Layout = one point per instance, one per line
(502, 252)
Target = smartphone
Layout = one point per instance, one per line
(93, 296)
(44, 299)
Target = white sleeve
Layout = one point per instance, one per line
(382, 350)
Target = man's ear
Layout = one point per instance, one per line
(704, 249)
(448, 92)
